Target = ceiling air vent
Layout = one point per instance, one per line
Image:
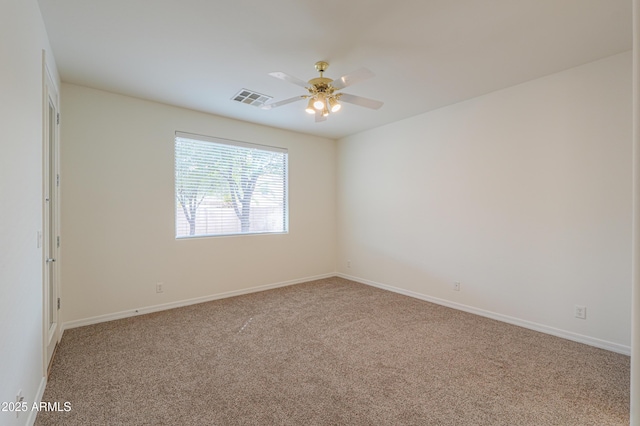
(250, 97)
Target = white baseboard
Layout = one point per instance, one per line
(592, 341)
(598, 343)
(34, 413)
(187, 302)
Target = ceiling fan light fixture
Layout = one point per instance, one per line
(334, 105)
(319, 102)
(310, 107)
(323, 94)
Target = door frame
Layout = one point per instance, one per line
(51, 228)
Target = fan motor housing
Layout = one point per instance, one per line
(320, 81)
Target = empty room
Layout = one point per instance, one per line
(320, 213)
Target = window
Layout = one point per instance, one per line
(227, 188)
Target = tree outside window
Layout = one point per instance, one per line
(226, 187)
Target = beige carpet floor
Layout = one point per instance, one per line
(330, 352)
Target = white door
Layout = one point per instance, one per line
(51, 220)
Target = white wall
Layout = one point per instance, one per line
(22, 39)
(522, 195)
(118, 209)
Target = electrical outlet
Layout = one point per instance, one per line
(159, 287)
(456, 286)
(581, 312)
(349, 264)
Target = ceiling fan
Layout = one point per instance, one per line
(323, 96)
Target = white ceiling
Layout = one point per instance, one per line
(425, 53)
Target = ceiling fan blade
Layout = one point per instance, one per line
(360, 101)
(289, 78)
(320, 117)
(280, 103)
(349, 79)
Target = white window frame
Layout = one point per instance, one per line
(241, 144)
